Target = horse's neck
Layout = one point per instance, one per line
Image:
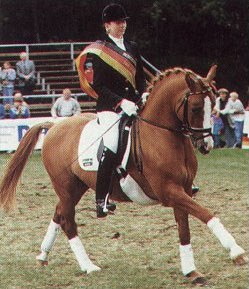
(163, 101)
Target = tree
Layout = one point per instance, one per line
(190, 33)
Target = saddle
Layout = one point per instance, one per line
(91, 144)
(90, 151)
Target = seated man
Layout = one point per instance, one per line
(20, 108)
(65, 105)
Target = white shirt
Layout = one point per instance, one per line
(118, 41)
(64, 107)
(235, 109)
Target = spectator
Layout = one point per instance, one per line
(25, 70)
(217, 132)
(8, 76)
(17, 96)
(20, 108)
(221, 103)
(65, 105)
(2, 111)
(236, 111)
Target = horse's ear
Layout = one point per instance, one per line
(191, 82)
(211, 74)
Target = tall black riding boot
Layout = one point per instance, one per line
(107, 165)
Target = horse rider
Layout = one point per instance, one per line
(116, 97)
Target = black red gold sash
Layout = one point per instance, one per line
(117, 58)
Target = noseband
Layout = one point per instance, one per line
(185, 128)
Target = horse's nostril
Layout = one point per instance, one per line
(203, 149)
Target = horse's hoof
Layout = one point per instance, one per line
(241, 260)
(42, 263)
(200, 281)
(92, 268)
(196, 278)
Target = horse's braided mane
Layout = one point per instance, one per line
(168, 72)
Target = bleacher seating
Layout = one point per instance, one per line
(55, 70)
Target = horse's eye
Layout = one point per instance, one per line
(196, 109)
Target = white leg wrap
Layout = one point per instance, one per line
(85, 263)
(187, 259)
(50, 237)
(225, 238)
(48, 241)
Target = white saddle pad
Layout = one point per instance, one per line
(88, 146)
(89, 143)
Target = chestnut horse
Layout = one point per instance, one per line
(179, 106)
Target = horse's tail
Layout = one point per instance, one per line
(17, 164)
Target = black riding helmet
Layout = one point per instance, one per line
(114, 12)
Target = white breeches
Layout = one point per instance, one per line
(109, 123)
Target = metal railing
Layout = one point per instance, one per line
(42, 96)
(28, 48)
(71, 47)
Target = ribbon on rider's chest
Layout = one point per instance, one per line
(112, 55)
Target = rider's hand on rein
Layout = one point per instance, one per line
(128, 107)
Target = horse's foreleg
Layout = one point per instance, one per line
(237, 254)
(48, 242)
(84, 261)
(186, 252)
(187, 204)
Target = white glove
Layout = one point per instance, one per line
(128, 107)
(144, 97)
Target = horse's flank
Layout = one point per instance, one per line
(60, 152)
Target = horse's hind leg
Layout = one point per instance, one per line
(48, 242)
(186, 251)
(50, 237)
(64, 218)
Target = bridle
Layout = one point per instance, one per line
(186, 128)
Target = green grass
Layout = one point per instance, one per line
(146, 253)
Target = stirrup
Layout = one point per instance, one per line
(100, 209)
(195, 189)
(108, 206)
(103, 207)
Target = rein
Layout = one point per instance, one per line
(158, 125)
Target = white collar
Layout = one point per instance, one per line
(118, 41)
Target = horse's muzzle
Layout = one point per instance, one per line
(205, 145)
(203, 149)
